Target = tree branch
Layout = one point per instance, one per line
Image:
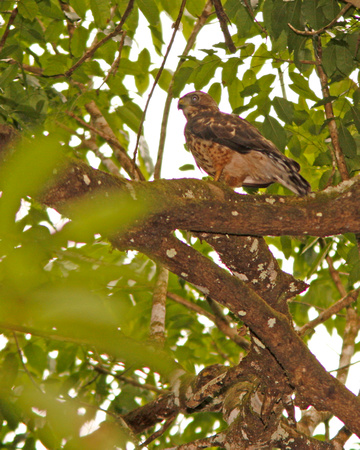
(176, 27)
(334, 309)
(223, 19)
(189, 44)
(329, 113)
(195, 205)
(158, 311)
(321, 30)
(8, 28)
(220, 321)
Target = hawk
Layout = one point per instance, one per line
(232, 150)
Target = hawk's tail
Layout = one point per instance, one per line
(295, 182)
(288, 175)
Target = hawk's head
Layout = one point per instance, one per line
(197, 102)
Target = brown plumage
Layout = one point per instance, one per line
(232, 150)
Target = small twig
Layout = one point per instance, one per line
(335, 276)
(329, 114)
(190, 42)
(24, 365)
(223, 19)
(251, 12)
(282, 84)
(146, 386)
(123, 157)
(321, 30)
(7, 29)
(89, 53)
(159, 432)
(219, 320)
(176, 27)
(115, 65)
(334, 309)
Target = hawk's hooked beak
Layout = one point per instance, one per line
(182, 103)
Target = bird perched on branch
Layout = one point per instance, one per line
(232, 150)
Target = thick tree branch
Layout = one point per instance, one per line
(195, 205)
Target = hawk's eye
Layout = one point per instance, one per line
(194, 98)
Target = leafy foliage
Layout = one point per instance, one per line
(75, 315)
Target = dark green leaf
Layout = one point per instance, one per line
(301, 87)
(187, 167)
(284, 109)
(274, 132)
(347, 142)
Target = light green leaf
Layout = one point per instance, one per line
(36, 357)
(150, 11)
(100, 11)
(215, 92)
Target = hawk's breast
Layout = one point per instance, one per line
(209, 156)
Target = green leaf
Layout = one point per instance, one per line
(78, 41)
(215, 92)
(301, 86)
(165, 78)
(259, 58)
(36, 357)
(284, 109)
(150, 11)
(80, 6)
(8, 75)
(130, 114)
(56, 65)
(347, 142)
(286, 245)
(206, 70)
(324, 101)
(337, 61)
(356, 117)
(28, 9)
(10, 412)
(275, 132)
(229, 71)
(187, 167)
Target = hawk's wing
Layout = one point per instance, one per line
(233, 132)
